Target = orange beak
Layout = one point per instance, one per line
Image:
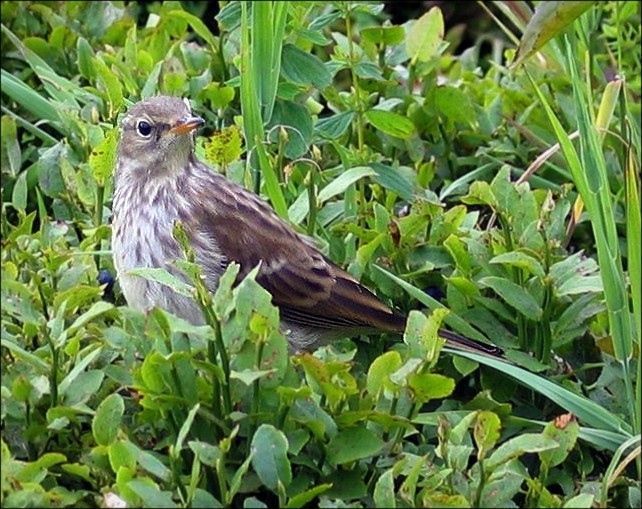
(186, 125)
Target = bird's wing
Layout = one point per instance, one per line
(309, 289)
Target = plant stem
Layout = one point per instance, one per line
(312, 201)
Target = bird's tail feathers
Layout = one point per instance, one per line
(470, 345)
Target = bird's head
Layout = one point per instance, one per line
(157, 136)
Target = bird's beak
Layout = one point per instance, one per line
(186, 125)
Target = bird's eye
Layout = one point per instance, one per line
(143, 128)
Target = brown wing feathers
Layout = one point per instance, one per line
(308, 289)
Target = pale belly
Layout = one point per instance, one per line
(140, 243)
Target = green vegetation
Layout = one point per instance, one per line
(497, 194)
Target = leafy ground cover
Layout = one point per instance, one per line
(491, 186)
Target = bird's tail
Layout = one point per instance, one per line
(470, 345)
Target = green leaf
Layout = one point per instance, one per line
(270, 457)
(11, 147)
(393, 179)
(85, 56)
(565, 436)
(549, 19)
(307, 496)
(391, 123)
(206, 453)
(31, 472)
(162, 276)
(343, 181)
(120, 454)
(111, 84)
(516, 447)
(454, 104)
(521, 260)
(106, 422)
(577, 285)
(384, 490)
(151, 494)
(427, 386)
(98, 308)
(296, 121)
(304, 68)
(248, 376)
(580, 501)
(102, 159)
(514, 295)
(379, 373)
(334, 126)
(199, 27)
(611, 429)
(19, 193)
(486, 432)
(28, 98)
(387, 35)
(187, 424)
(425, 36)
(353, 444)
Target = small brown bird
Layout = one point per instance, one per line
(159, 180)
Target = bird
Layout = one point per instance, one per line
(158, 180)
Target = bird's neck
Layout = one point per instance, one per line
(164, 169)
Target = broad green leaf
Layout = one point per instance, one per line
(549, 19)
(151, 494)
(480, 193)
(519, 445)
(391, 123)
(249, 376)
(19, 193)
(11, 149)
(379, 373)
(454, 104)
(353, 444)
(31, 472)
(206, 453)
(295, 119)
(106, 422)
(199, 27)
(565, 436)
(384, 490)
(304, 68)
(393, 179)
(580, 501)
(577, 285)
(486, 432)
(343, 181)
(111, 84)
(121, 455)
(97, 309)
(427, 386)
(387, 35)
(162, 276)
(514, 295)
(102, 159)
(270, 457)
(85, 56)
(425, 36)
(307, 496)
(334, 126)
(521, 260)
